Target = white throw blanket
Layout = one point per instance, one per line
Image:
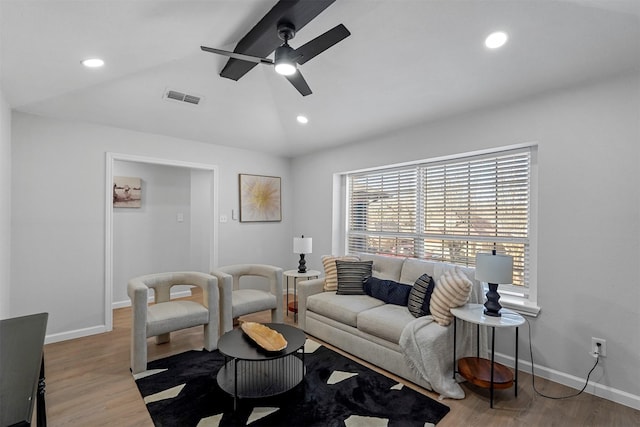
(429, 352)
(428, 347)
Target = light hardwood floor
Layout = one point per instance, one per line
(89, 384)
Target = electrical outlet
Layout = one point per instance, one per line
(602, 350)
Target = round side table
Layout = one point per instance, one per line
(295, 275)
(479, 371)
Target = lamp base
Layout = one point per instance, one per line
(302, 265)
(492, 306)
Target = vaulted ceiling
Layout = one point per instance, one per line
(406, 62)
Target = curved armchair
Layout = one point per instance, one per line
(236, 301)
(166, 315)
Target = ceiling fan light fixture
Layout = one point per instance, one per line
(285, 68)
(303, 120)
(284, 65)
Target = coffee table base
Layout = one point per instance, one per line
(263, 378)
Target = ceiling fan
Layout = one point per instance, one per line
(260, 42)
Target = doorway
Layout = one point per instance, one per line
(200, 214)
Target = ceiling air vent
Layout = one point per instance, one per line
(192, 99)
(174, 95)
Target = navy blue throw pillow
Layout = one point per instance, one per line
(387, 290)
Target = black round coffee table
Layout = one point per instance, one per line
(250, 371)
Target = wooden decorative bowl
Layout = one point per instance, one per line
(264, 336)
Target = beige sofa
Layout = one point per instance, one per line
(371, 329)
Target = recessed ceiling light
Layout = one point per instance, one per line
(302, 119)
(496, 40)
(93, 63)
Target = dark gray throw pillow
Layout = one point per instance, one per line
(420, 296)
(351, 275)
(388, 291)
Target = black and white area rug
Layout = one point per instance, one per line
(182, 391)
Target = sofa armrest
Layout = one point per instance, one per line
(307, 288)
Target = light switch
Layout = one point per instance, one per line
(180, 217)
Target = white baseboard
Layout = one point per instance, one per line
(127, 303)
(121, 304)
(596, 389)
(78, 333)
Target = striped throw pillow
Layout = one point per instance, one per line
(420, 296)
(351, 275)
(452, 290)
(330, 271)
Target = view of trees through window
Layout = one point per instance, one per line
(445, 211)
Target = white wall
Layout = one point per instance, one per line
(149, 239)
(5, 206)
(58, 206)
(200, 219)
(588, 219)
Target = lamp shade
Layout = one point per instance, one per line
(302, 245)
(494, 268)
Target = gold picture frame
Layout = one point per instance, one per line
(260, 198)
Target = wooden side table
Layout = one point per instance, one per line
(295, 275)
(479, 371)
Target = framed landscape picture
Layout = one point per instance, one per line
(260, 198)
(127, 192)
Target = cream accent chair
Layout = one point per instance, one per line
(166, 315)
(236, 301)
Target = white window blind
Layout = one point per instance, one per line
(446, 211)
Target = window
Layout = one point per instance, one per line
(447, 211)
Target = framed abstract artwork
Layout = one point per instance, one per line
(127, 192)
(260, 198)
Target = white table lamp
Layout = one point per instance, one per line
(302, 245)
(494, 269)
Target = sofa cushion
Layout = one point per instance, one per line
(388, 291)
(420, 296)
(414, 268)
(331, 272)
(385, 267)
(351, 275)
(452, 290)
(341, 308)
(386, 321)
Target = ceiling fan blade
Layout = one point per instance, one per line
(263, 39)
(299, 83)
(321, 43)
(240, 56)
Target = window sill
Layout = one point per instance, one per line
(520, 305)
